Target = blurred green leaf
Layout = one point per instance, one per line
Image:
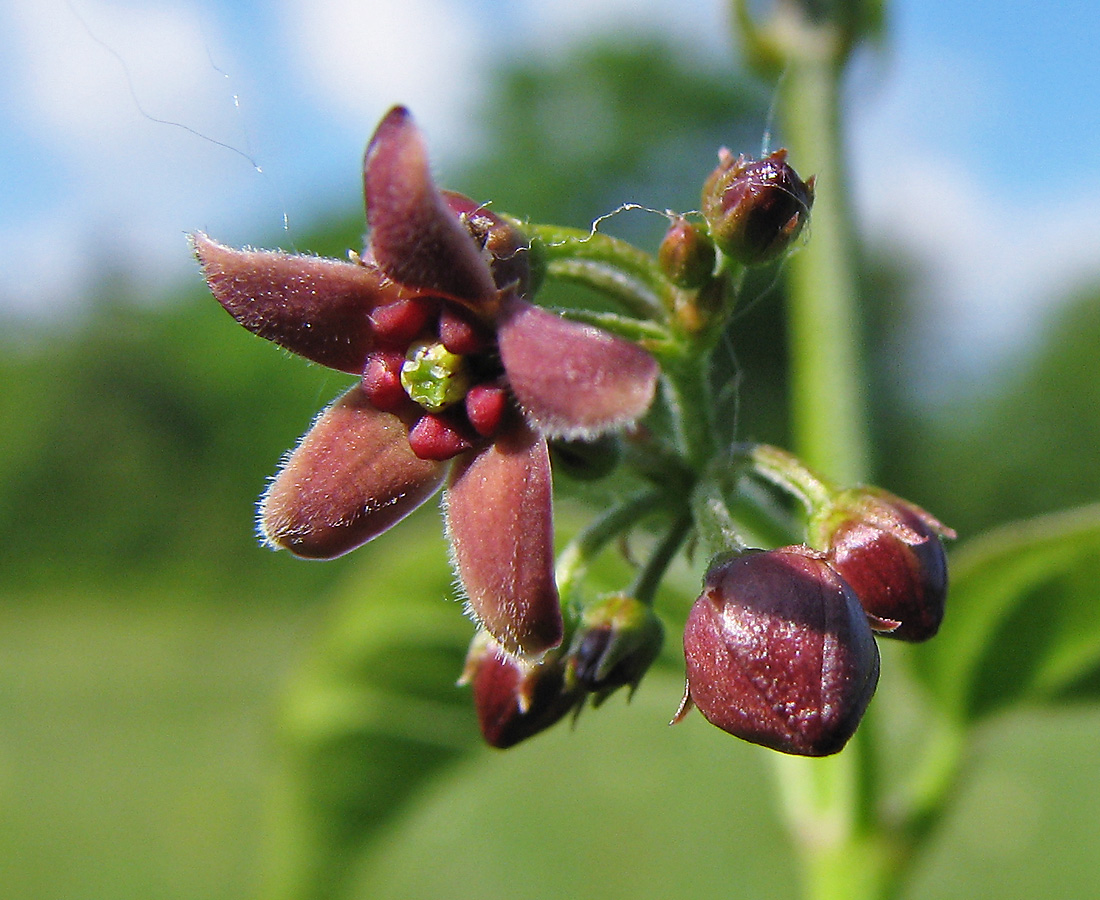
(373, 714)
(1023, 621)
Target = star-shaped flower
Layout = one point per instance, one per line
(462, 379)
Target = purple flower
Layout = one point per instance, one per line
(461, 379)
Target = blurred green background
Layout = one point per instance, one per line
(153, 659)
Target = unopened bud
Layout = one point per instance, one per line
(507, 247)
(756, 208)
(617, 641)
(515, 698)
(686, 254)
(891, 553)
(779, 652)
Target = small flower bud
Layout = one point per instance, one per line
(779, 652)
(617, 641)
(892, 555)
(507, 247)
(514, 698)
(686, 254)
(756, 208)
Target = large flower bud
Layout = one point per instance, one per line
(892, 555)
(515, 698)
(756, 208)
(779, 652)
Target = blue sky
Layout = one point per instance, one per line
(975, 134)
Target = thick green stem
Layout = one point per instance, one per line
(830, 806)
(828, 397)
(831, 803)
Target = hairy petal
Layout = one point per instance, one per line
(352, 477)
(415, 238)
(571, 379)
(500, 521)
(314, 307)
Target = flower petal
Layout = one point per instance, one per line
(573, 380)
(415, 238)
(314, 307)
(351, 478)
(500, 521)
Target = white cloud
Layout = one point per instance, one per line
(124, 104)
(991, 265)
(992, 269)
(80, 59)
(361, 58)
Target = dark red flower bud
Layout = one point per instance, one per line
(515, 699)
(756, 208)
(892, 555)
(779, 652)
(617, 641)
(507, 246)
(686, 254)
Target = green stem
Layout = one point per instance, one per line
(605, 264)
(648, 579)
(828, 402)
(787, 471)
(620, 287)
(832, 803)
(687, 392)
(574, 560)
(829, 805)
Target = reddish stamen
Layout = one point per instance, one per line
(382, 381)
(438, 438)
(401, 321)
(459, 335)
(486, 405)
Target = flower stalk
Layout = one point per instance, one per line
(828, 401)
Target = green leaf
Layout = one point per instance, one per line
(373, 714)
(1023, 618)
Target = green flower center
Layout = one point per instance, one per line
(434, 377)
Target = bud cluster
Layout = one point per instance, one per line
(463, 383)
(780, 646)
